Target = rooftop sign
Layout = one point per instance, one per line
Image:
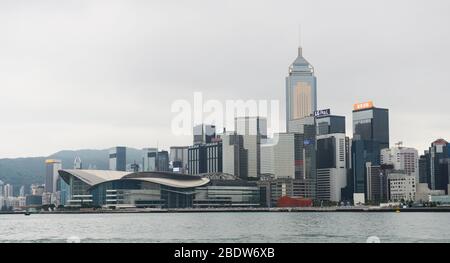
(363, 106)
(319, 113)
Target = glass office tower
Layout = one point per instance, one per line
(301, 90)
(370, 135)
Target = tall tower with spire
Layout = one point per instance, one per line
(301, 90)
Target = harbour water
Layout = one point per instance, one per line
(227, 227)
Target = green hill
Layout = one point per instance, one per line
(27, 171)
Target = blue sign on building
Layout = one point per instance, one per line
(308, 142)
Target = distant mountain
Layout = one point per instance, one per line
(27, 171)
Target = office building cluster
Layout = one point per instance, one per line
(312, 162)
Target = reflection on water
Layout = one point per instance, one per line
(227, 227)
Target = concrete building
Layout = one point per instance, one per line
(234, 155)
(7, 191)
(278, 156)
(77, 163)
(305, 153)
(331, 166)
(179, 158)
(149, 160)
(401, 187)
(402, 158)
(377, 183)
(204, 134)
(242, 148)
(118, 159)
(301, 90)
(37, 189)
(51, 175)
(22, 191)
(274, 189)
(205, 158)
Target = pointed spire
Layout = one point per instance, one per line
(300, 40)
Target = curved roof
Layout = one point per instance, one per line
(95, 177)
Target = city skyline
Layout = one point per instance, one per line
(64, 105)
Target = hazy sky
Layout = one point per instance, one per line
(94, 74)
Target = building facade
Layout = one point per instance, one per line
(205, 158)
(330, 124)
(204, 134)
(179, 158)
(51, 175)
(402, 187)
(278, 156)
(305, 154)
(370, 136)
(331, 166)
(402, 158)
(118, 159)
(301, 90)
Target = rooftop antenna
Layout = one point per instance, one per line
(299, 39)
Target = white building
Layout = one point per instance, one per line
(51, 176)
(252, 130)
(402, 187)
(232, 147)
(77, 164)
(331, 166)
(179, 158)
(149, 159)
(402, 158)
(7, 191)
(278, 156)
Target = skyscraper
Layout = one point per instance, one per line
(179, 158)
(118, 159)
(439, 156)
(22, 191)
(205, 158)
(155, 161)
(252, 130)
(278, 158)
(370, 135)
(330, 124)
(402, 158)
(331, 166)
(149, 161)
(234, 155)
(305, 154)
(8, 191)
(51, 176)
(301, 90)
(204, 133)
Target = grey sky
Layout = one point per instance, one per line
(94, 74)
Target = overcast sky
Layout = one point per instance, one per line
(94, 74)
